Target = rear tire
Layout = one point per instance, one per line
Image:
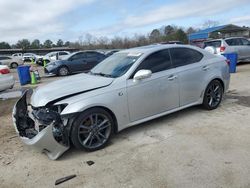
(213, 95)
(63, 71)
(13, 65)
(92, 129)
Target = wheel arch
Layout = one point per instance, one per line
(112, 114)
(218, 79)
(12, 63)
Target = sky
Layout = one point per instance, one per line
(71, 19)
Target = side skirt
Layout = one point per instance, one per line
(160, 115)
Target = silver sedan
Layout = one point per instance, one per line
(128, 88)
(7, 81)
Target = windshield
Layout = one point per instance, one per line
(115, 65)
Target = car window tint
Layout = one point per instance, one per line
(245, 42)
(78, 56)
(156, 62)
(215, 44)
(4, 58)
(184, 56)
(63, 53)
(92, 54)
(234, 42)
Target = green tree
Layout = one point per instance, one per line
(155, 35)
(48, 43)
(24, 44)
(190, 30)
(4, 45)
(181, 36)
(35, 44)
(67, 44)
(59, 43)
(168, 30)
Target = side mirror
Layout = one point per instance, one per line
(142, 74)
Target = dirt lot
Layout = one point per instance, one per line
(191, 148)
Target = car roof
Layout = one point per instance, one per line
(225, 39)
(154, 47)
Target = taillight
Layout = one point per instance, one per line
(228, 62)
(4, 71)
(222, 48)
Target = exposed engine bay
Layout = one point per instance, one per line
(30, 121)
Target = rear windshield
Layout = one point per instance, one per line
(215, 44)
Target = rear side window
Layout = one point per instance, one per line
(215, 44)
(92, 54)
(184, 56)
(63, 53)
(245, 42)
(156, 62)
(4, 58)
(234, 42)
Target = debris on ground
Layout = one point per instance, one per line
(15, 136)
(61, 180)
(90, 163)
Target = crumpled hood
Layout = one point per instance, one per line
(68, 86)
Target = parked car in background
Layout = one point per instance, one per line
(10, 61)
(111, 52)
(76, 62)
(17, 55)
(130, 87)
(7, 81)
(52, 56)
(28, 57)
(172, 42)
(238, 45)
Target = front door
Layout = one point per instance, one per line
(156, 94)
(78, 62)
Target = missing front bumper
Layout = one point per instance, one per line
(25, 126)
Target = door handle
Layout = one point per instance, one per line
(172, 77)
(205, 68)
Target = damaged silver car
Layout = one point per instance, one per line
(128, 88)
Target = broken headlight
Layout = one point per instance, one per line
(47, 115)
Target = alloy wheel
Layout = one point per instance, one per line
(214, 94)
(94, 130)
(63, 71)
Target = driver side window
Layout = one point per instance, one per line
(156, 62)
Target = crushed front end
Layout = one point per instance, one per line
(43, 127)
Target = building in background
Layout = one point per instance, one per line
(223, 31)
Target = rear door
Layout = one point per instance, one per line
(190, 71)
(245, 48)
(235, 45)
(93, 58)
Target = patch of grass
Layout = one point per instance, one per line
(6, 106)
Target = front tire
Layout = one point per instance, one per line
(92, 129)
(63, 71)
(213, 95)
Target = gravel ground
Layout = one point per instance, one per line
(190, 148)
